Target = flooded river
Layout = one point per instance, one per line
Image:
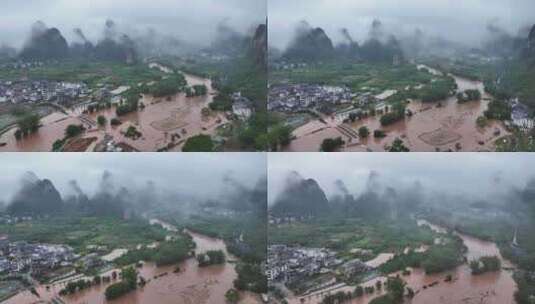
(440, 125)
(465, 288)
(191, 285)
(166, 121)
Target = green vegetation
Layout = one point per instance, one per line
(166, 253)
(518, 141)
(445, 257)
(498, 109)
(115, 122)
(364, 132)
(168, 85)
(127, 284)
(221, 102)
(92, 73)
(338, 297)
(211, 257)
(196, 90)
(332, 144)
(198, 143)
(356, 76)
(237, 75)
(232, 296)
(251, 251)
(253, 229)
(344, 234)
(485, 264)
(437, 258)
(278, 136)
(101, 120)
(379, 133)
(75, 286)
(469, 95)
(133, 133)
(482, 121)
(80, 232)
(131, 104)
(398, 146)
(396, 114)
(27, 123)
(395, 292)
(437, 90)
(73, 130)
(250, 277)
(518, 80)
(70, 132)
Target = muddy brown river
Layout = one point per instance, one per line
(161, 118)
(192, 285)
(431, 127)
(489, 288)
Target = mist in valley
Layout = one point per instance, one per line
(457, 187)
(134, 186)
(417, 28)
(126, 30)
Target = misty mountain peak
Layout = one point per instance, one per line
(36, 197)
(310, 44)
(301, 197)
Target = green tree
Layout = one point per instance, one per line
(359, 291)
(364, 132)
(396, 287)
(28, 123)
(199, 143)
(331, 144)
(101, 120)
(398, 146)
(73, 130)
(232, 296)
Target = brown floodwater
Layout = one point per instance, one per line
(161, 118)
(432, 127)
(465, 288)
(192, 285)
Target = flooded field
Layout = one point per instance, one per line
(191, 285)
(445, 125)
(465, 288)
(164, 123)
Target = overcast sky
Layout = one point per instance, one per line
(461, 21)
(193, 20)
(475, 174)
(189, 173)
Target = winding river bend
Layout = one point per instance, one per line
(192, 285)
(164, 122)
(431, 127)
(465, 288)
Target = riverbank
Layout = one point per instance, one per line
(444, 125)
(491, 288)
(190, 284)
(165, 123)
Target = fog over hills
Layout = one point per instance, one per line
(138, 181)
(170, 25)
(386, 185)
(432, 26)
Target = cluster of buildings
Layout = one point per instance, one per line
(286, 65)
(288, 219)
(17, 65)
(291, 264)
(520, 114)
(242, 107)
(299, 97)
(16, 257)
(34, 91)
